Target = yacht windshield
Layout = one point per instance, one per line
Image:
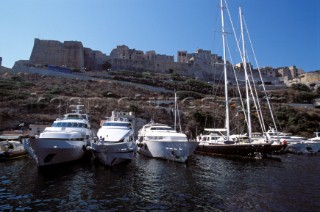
(69, 124)
(160, 128)
(116, 124)
(73, 116)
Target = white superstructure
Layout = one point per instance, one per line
(66, 140)
(116, 141)
(161, 141)
(311, 145)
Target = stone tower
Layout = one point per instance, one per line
(50, 52)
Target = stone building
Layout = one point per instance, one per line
(200, 57)
(158, 58)
(291, 72)
(69, 54)
(124, 58)
(0, 61)
(289, 75)
(50, 52)
(123, 52)
(183, 57)
(201, 64)
(240, 67)
(310, 78)
(268, 71)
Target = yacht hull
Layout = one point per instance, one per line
(303, 147)
(175, 151)
(111, 154)
(47, 151)
(243, 150)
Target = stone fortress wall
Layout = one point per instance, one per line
(69, 54)
(201, 64)
(310, 78)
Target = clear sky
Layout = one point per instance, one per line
(283, 32)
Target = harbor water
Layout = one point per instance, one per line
(206, 183)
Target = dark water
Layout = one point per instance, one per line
(206, 184)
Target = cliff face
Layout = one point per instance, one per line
(71, 54)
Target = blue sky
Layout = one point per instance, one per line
(283, 32)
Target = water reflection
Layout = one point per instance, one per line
(206, 183)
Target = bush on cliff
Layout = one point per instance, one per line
(300, 87)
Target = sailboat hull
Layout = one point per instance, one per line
(243, 150)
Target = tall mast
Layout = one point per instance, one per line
(246, 76)
(225, 72)
(175, 110)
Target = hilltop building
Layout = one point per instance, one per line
(268, 71)
(201, 64)
(240, 67)
(70, 54)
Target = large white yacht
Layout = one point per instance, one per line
(311, 145)
(116, 142)
(161, 141)
(273, 135)
(66, 140)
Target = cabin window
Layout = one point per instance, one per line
(117, 124)
(74, 124)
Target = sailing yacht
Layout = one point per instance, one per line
(162, 141)
(66, 140)
(219, 141)
(116, 142)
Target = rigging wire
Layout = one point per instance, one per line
(262, 82)
(237, 82)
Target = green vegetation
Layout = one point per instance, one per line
(300, 87)
(186, 94)
(30, 94)
(318, 92)
(197, 85)
(14, 88)
(127, 73)
(295, 121)
(304, 97)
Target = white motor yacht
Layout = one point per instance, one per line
(116, 142)
(66, 140)
(272, 135)
(311, 145)
(161, 141)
